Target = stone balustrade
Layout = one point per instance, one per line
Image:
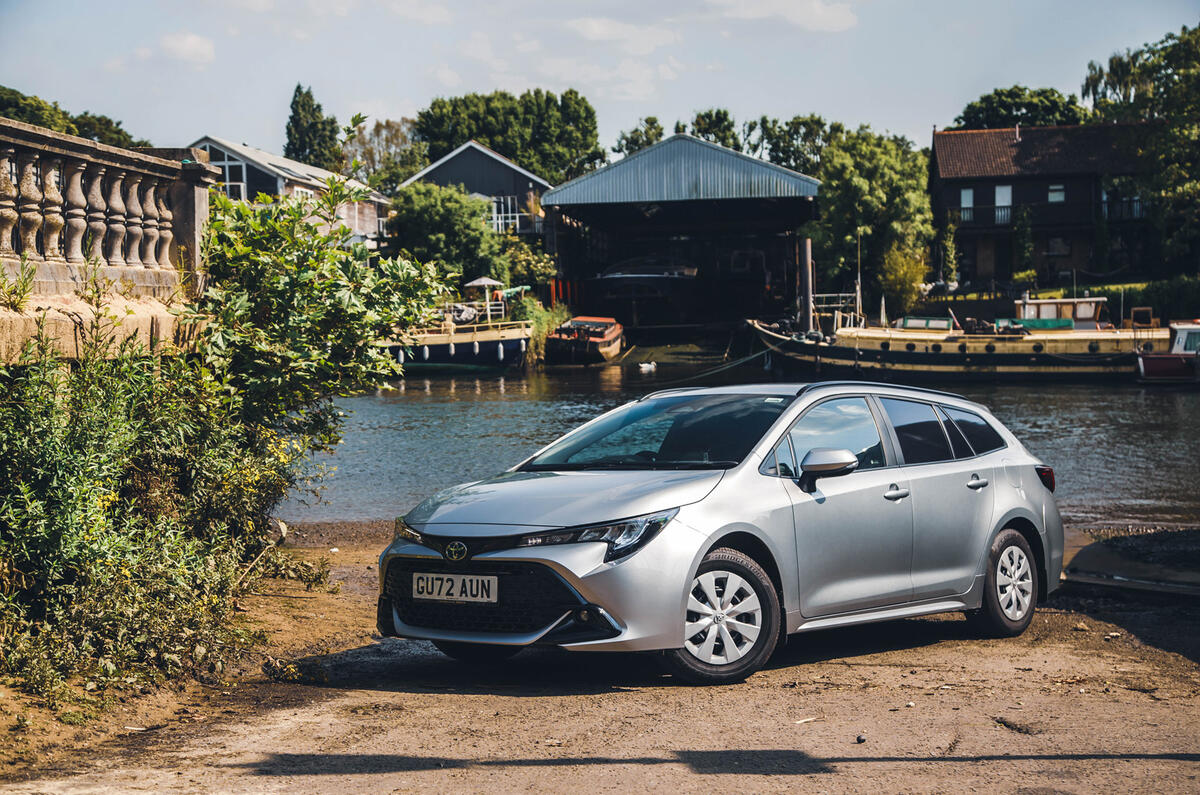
(67, 203)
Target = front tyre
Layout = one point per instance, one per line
(730, 624)
(476, 653)
(1011, 588)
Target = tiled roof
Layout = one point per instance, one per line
(1036, 151)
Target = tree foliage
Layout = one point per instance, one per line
(873, 188)
(796, 143)
(716, 125)
(552, 136)
(527, 264)
(447, 229)
(294, 310)
(900, 274)
(385, 155)
(1033, 107)
(647, 133)
(312, 137)
(35, 110)
(1159, 85)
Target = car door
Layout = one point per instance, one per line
(854, 531)
(951, 497)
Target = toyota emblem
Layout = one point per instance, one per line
(456, 550)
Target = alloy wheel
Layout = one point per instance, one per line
(723, 618)
(1014, 582)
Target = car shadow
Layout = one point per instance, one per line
(727, 761)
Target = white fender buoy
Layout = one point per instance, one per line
(452, 349)
(400, 355)
(522, 346)
(425, 352)
(475, 346)
(500, 351)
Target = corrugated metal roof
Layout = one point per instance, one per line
(682, 168)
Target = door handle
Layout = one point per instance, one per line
(976, 482)
(894, 492)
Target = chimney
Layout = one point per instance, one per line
(1018, 131)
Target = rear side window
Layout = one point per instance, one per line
(922, 440)
(958, 442)
(982, 436)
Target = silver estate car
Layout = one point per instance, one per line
(709, 524)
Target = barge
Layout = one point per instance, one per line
(585, 340)
(1060, 339)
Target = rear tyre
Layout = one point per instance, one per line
(476, 653)
(1011, 589)
(731, 622)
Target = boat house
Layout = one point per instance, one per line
(684, 232)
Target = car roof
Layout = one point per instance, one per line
(801, 388)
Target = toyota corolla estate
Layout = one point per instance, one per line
(709, 524)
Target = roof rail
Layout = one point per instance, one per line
(816, 384)
(658, 392)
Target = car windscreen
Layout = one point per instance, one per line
(670, 432)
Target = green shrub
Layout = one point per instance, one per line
(543, 321)
(137, 484)
(1171, 299)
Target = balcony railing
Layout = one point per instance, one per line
(1049, 213)
(66, 202)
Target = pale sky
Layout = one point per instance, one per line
(174, 70)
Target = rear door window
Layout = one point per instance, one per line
(922, 440)
(982, 436)
(958, 442)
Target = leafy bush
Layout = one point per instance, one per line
(527, 265)
(1171, 299)
(447, 229)
(900, 277)
(138, 483)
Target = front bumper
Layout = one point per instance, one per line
(564, 595)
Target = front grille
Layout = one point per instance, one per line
(531, 596)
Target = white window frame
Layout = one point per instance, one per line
(302, 193)
(228, 160)
(1003, 209)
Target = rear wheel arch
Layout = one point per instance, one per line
(1030, 532)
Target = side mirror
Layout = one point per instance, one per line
(825, 462)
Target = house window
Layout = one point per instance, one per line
(233, 172)
(506, 214)
(301, 193)
(1003, 204)
(966, 203)
(381, 226)
(1057, 194)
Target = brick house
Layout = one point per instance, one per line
(1064, 180)
(247, 172)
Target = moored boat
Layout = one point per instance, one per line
(1060, 339)
(1178, 363)
(585, 340)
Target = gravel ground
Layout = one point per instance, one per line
(1101, 693)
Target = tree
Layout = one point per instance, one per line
(1159, 85)
(900, 275)
(716, 125)
(873, 187)
(797, 143)
(446, 228)
(527, 265)
(386, 155)
(1033, 107)
(552, 136)
(647, 132)
(35, 110)
(106, 131)
(312, 137)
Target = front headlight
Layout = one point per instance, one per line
(622, 537)
(405, 533)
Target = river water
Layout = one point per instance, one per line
(1122, 454)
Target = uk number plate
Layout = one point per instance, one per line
(455, 587)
